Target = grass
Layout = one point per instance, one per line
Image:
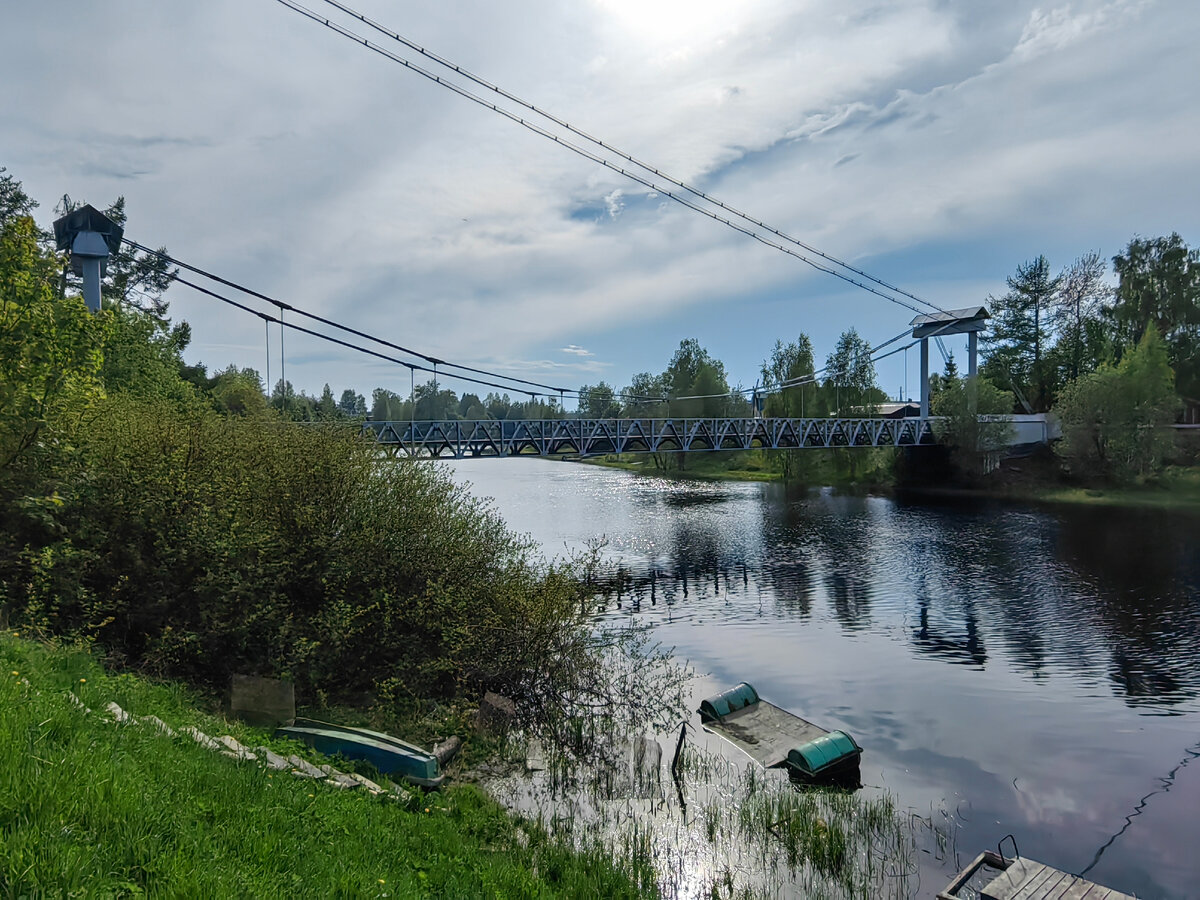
(92, 808)
(729, 830)
(1177, 489)
(699, 469)
(757, 465)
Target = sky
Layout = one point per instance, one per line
(936, 144)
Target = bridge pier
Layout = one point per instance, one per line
(925, 378)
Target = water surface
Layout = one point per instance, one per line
(1020, 671)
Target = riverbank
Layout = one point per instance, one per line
(753, 465)
(1036, 482)
(1175, 490)
(90, 806)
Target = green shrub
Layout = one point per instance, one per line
(1114, 419)
(195, 546)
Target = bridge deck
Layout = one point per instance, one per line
(590, 437)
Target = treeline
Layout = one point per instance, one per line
(1116, 362)
(1048, 330)
(190, 529)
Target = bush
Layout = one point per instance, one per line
(195, 546)
(970, 425)
(1115, 419)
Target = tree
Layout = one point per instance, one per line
(499, 406)
(1020, 331)
(694, 374)
(696, 387)
(645, 397)
(143, 355)
(352, 405)
(791, 392)
(433, 404)
(387, 406)
(850, 377)
(960, 405)
(14, 201)
(297, 406)
(238, 392)
(327, 408)
(942, 383)
(1114, 419)
(50, 350)
(1159, 285)
(598, 401)
(950, 372)
(1080, 297)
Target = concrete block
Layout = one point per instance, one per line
(303, 768)
(234, 748)
(271, 759)
(157, 724)
(265, 702)
(366, 782)
(496, 714)
(201, 738)
(447, 750)
(338, 779)
(119, 715)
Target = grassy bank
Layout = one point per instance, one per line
(747, 469)
(1176, 489)
(871, 473)
(88, 807)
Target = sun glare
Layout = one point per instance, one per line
(677, 23)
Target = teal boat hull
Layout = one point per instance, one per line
(388, 754)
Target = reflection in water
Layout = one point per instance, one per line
(967, 650)
(1165, 784)
(1034, 670)
(1058, 593)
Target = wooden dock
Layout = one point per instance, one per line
(1025, 879)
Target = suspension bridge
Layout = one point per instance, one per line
(90, 237)
(460, 439)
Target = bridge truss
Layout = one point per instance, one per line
(592, 437)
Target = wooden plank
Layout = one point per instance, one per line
(1035, 887)
(765, 731)
(1024, 880)
(1059, 890)
(1028, 880)
(1085, 890)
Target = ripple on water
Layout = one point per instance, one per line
(1037, 669)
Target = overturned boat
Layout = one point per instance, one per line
(776, 738)
(388, 754)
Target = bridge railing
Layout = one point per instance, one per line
(591, 437)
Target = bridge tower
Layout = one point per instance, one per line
(91, 237)
(969, 321)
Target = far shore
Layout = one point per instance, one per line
(1177, 490)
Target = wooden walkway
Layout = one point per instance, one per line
(1024, 879)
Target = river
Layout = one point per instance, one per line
(1016, 670)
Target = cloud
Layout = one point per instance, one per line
(576, 350)
(979, 134)
(614, 203)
